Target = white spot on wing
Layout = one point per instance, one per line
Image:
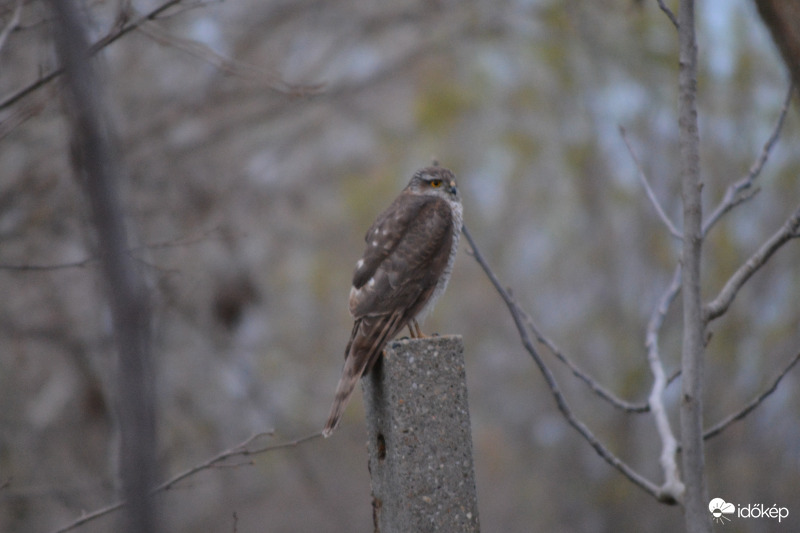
(375, 243)
(371, 283)
(355, 296)
(360, 263)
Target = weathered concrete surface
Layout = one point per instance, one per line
(419, 439)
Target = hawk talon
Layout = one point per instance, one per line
(416, 333)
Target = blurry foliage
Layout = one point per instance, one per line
(441, 105)
(250, 204)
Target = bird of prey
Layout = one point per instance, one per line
(406, 265)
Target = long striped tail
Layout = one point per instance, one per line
(369, 336)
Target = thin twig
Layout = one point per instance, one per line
(740, 190)
(240, 450)
(225, 64)
(45, 268)
(667, 11)
(181, 241)
(595, 387)
(717, 428)
(17, 117)
(675, 375)
(186, 6)
(552, 384)
(719, 306)
(649, 190)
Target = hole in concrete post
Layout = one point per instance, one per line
(376, 514)
(381, 447)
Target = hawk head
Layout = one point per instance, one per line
(434, 181)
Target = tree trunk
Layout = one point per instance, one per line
(99, 164)
(698, 519)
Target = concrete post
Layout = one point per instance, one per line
(419, 439)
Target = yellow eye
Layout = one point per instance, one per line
(436, 183)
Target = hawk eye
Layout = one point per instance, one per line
(435, 183)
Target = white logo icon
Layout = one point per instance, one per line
(719, 508)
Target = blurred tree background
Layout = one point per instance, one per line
(262, 139)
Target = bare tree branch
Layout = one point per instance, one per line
(719, 306)
(561, 403)
(669, 445)
(121, 28)
(225, 64)
(660, 311)
(650, 193)
(673, 488)
(171, 243)
(595, 387)
(668, 12)
(726, 422)
(240, 450)
(47, 268)
(17, 117)
(741, 190)
(720, 426)
(672, 484)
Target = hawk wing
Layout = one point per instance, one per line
(408, 248)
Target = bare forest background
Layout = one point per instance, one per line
(262, 137)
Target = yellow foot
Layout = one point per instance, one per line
(415, 331)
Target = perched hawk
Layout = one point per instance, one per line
(405, 268)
